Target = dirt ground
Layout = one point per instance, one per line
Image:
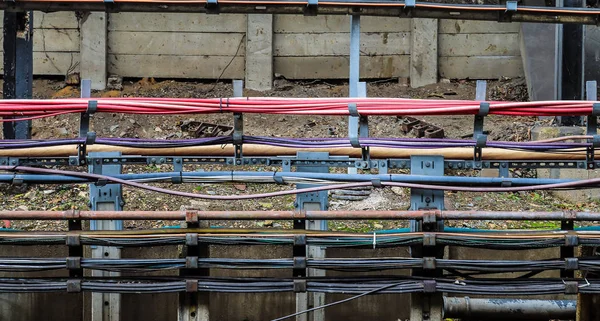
(65, 197)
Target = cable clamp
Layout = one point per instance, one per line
(191, 262)
(191, 239)
(429, 263)
(429, 217)
(571, 287)
(238, 134)
(17, 180)
(429, 239)
(569, 215)
(376, 182)
(299, 262)
(354, 125)
(73, 286)
(73, 240)
(299, 214)
(177, 179)
(312, 8)
(429, 286)
(191, 216)
(571, 263)
(191, 286)
(278, 179)
(299, 286)
(571, 240)
(299, 239)
(73, 262)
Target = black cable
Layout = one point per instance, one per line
(339, 302)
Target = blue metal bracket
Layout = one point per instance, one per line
(421, 199)
(409, 6)
(511, 8)
(101, 194)
(212, 7)
(314, 197)
(478, 135)
(311, 8)
(358, 127)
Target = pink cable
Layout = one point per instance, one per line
(32, 109)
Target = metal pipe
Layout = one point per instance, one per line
(294, 215)
(513, 309)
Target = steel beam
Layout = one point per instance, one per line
(393, 9)
(18, 67)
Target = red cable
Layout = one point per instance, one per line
(33, 109)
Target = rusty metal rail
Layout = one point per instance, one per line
(194, 215)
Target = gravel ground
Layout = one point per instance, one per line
(60, 197)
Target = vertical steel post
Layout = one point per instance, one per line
(311, 202)
(18, 67)
(109, 197)
(427, 305)
(572, 69)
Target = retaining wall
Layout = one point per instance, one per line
(200, 46)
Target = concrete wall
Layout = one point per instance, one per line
(479, 49)
(232, 307)
(55, 43)
(171, 45)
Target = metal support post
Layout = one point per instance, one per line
(429, 304)
(238, 123)
(316, 201)
(572, 70)
(105, 197)
(362, 92)
(358, 126)
(18, 67)
(194, 305)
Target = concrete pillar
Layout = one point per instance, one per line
(259, 52)
(93, 48)
(424, 52)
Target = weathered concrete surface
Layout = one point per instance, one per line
(424, 52)
(250, 307)
(584, 195)
(39, 306)
(259, 59)
(94, 49)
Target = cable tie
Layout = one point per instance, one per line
(571, 263)
(374, 240)
(299, 239)
(221, 105)
(587, 283)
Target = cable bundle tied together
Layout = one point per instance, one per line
(37, 108)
